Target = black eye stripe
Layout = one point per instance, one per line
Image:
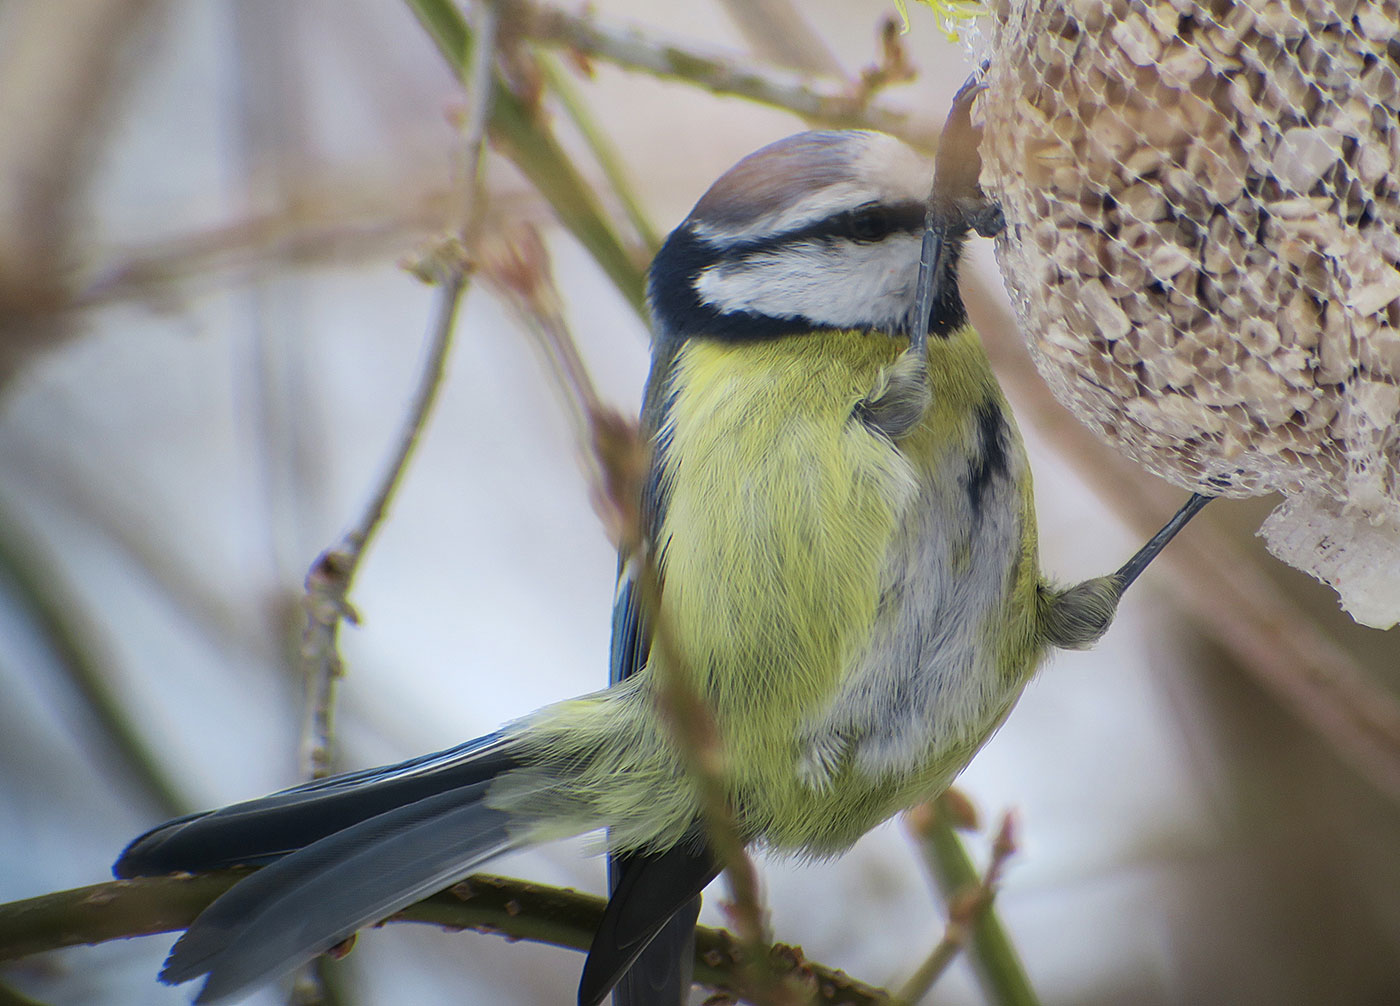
(869, 223)
(866, 224)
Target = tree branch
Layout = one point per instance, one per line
(517, 910)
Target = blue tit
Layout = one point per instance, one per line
(845, 538)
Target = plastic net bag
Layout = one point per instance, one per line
(1203, 246)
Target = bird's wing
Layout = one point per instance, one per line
(645, 946)
(631, 637)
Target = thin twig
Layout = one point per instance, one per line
(603, 151)
(514, 263)
(830, 102)
(480, 92)
(892, 66)
(331, 576)
(972, 924)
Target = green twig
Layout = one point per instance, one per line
(58, 616)
(999, 970)
(604, 151)
(518, 131)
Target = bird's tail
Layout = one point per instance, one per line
(344, 853)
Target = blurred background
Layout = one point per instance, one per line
(208, 345)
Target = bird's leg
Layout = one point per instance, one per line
(1131, 569)
(1078, 616)
(898, 402)
(955, 205)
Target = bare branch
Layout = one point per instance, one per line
(514, 909)
(830, 102)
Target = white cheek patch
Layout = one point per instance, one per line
(835, 283)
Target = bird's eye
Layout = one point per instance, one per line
(870, 223)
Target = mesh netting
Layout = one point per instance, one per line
(1203, 245)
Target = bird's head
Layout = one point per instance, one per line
(817, 231)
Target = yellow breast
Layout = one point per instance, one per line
(801, 551)
(780, 509)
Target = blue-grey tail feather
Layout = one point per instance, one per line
(259, 831)
(664, 971)
(644, 945)
(307, 902)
